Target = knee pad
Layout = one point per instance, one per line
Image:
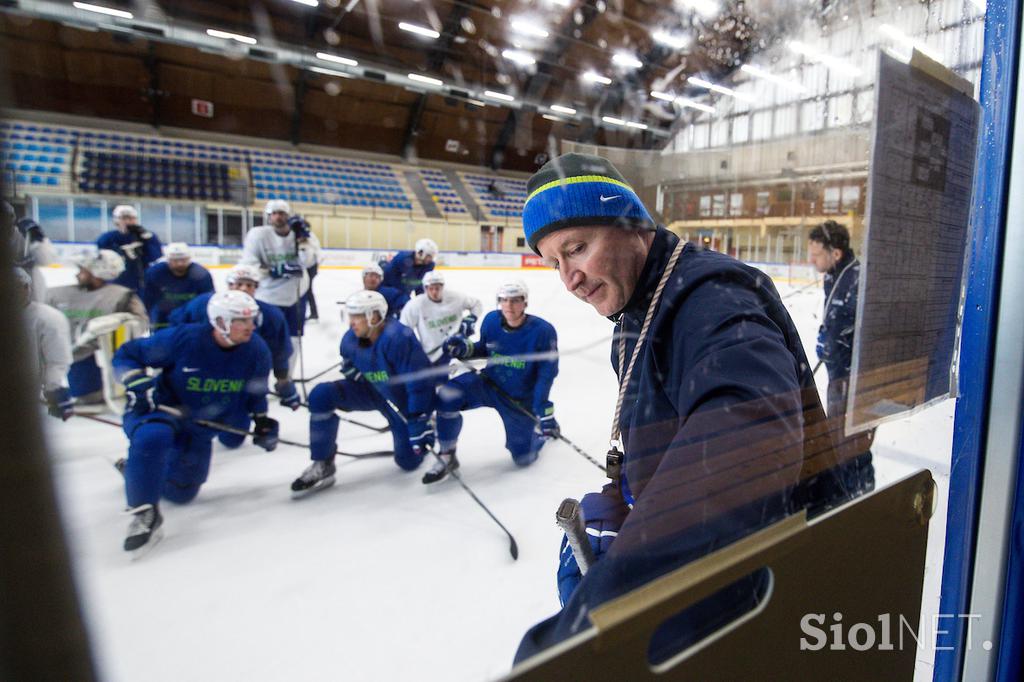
(323, 398)
(231, 440)
(179, 493)
(408, 461)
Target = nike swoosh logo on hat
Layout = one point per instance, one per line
(615, 196)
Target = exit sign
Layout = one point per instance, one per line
(202, 107)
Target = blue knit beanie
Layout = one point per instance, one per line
(580, 190)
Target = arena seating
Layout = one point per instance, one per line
(445, 196)
(500, 197)
(60, 159)
(36, 156)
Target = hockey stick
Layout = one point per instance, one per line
(817, 367)
(522, 410)
(513, 547)
(318, 374)
(356, 422)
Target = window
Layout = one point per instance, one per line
(718, 205)
(735, 204)
(831, 204)
(705, 206)
(851, 198)
(740, 129)
(763, 205)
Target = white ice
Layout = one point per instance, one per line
(380, 577)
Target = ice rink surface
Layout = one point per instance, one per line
(379, 577)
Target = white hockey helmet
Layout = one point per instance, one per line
(373, 269)
(124, 211)
(177, 251)
(243, 271)
(427, 247)
(103, 264)
(513, 288)
(275, 205)
(366, 302)
(230, 305)
(433, 277)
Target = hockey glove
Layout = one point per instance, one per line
(286, 271)
(458, 346)
(349, 371)
(140, 389)
(31, 230)
(603, 515)
(421, 434)
(300, 227)
(289, 395)
(468, 327)
(264, 431)
(60, 404)
(821, 347)
(139, 232)
(547, 426)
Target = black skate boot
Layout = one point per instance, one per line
(317, 476)
(445, 463)
(145, 530)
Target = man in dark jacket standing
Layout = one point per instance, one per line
(715, 393)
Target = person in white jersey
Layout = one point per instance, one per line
(438, 314)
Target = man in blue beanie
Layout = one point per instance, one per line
(715, 394)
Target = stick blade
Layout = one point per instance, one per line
(513, 549)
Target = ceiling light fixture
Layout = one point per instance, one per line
(701, 83)
(337, 59)
(519, 57)
(634, 124)
(706, 7)
(626, 60)
(528, 28)
(214, 33)
(551, 118)
(307, 3)
(426, 79)
(499, 95)
(419, 30)
(613, 120)
(758, 72)
(676, 42)
(664, 96)
(563, 110)
(812, 55)
(593, 77)
(683, 102)
(119, 13)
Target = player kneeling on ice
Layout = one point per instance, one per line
(439, 314)
(396, 298)
(383, 352)
(270, 326)
(511, 385)
(209, 375)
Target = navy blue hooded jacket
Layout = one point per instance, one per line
(835, 336)
(713, 431)
(404, 274)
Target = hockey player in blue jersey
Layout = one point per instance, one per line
(381, 351)
(506, 336)
(139, 247)
(213, 371)
(271, 327)
(396, 298)
(173, 283)
(405, 271)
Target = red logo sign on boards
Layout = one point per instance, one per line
(532, 261)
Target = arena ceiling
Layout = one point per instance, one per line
(493, 84)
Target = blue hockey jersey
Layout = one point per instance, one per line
(134, 268)
(393, 364)
(526, 379)
(403, 274)
(272, 327)
(164, 291)
(205, 380)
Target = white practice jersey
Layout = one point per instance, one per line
(435, 322)
(49, 344)
(80, 305)
(265, 249)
